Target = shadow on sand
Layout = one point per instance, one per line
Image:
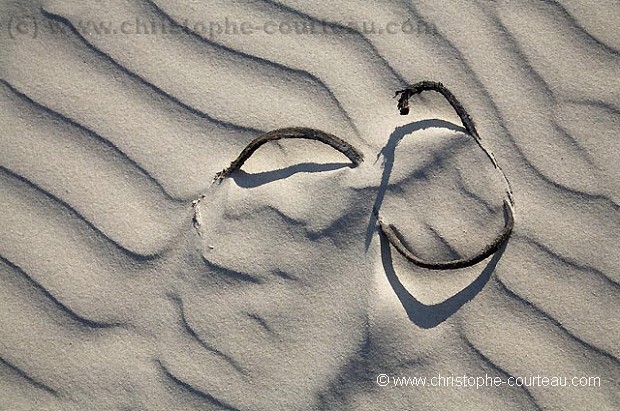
(424, 316)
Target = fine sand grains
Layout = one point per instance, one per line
(288, 298)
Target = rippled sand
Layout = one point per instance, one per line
(285, 297)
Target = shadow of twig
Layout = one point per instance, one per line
(429, 316)
(388, 162)
(253, 180)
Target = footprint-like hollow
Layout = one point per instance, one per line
(285, 279)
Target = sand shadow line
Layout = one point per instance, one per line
(253, 180)
(388, 154)
(430, 316)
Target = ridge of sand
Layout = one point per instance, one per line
(285, 297)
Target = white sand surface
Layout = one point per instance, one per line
(275, 291)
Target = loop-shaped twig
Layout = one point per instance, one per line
(394, 236)
(466, 120)
(417, 88)
(342, 146)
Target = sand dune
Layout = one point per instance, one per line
(275, 291)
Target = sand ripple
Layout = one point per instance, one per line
(284, 298)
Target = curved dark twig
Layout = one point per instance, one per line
(466, 120)
(342, 146)
(395, 237)
(417, 88)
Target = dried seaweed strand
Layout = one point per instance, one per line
(342, 146)
(395, 237)
(466, 120)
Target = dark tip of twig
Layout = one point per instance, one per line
(403, 104)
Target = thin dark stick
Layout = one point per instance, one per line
(466, 120)
(395, 237)
(417, 88)
(342, 146)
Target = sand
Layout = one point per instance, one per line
(118, 291)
